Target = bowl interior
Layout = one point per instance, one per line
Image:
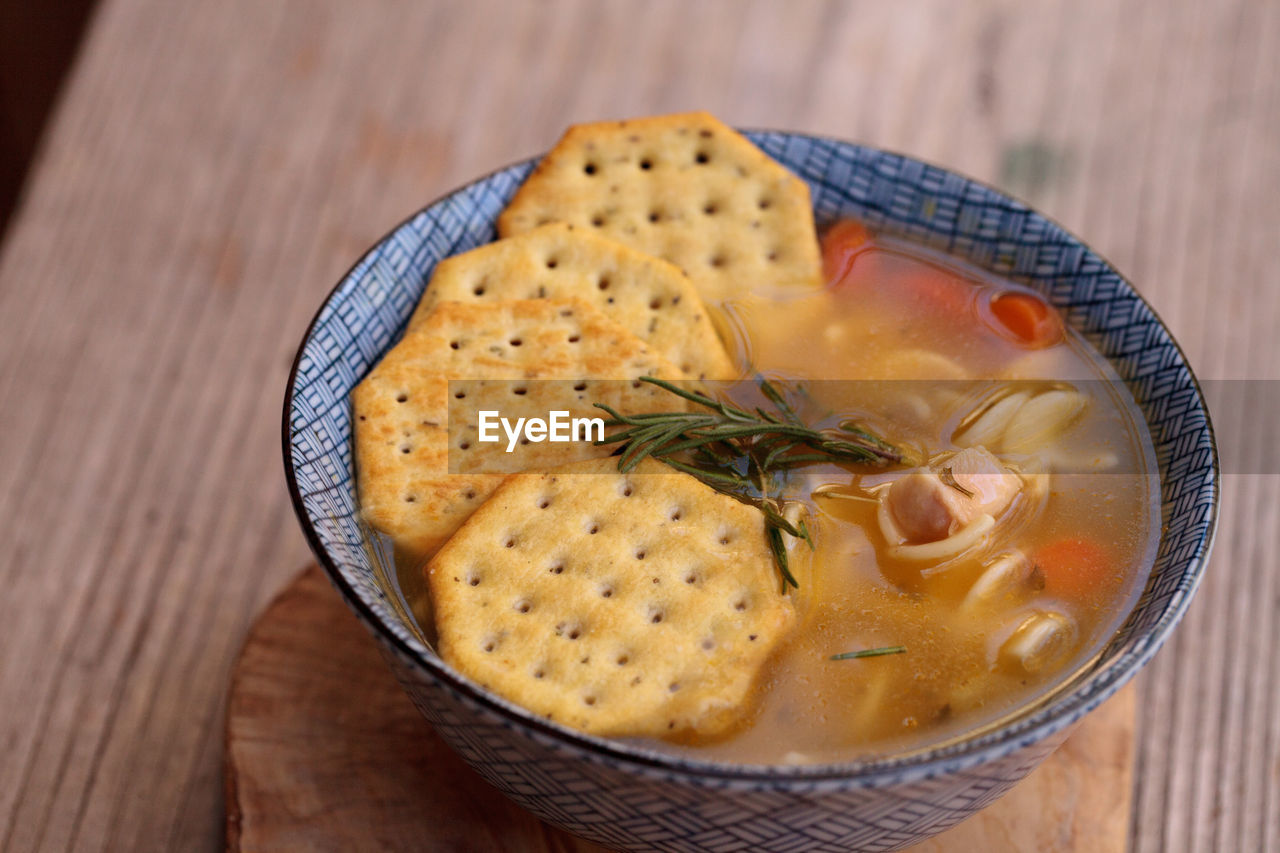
(367, 311)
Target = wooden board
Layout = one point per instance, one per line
(325, 752)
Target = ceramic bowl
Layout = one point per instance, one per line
(630, 798)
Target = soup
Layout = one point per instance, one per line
(907, 637)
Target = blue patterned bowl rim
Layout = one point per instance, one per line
(1165, 379)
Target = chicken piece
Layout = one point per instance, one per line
(927, 506)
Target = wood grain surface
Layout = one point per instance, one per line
(214, 167)
(325, 751)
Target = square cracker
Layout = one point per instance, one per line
(686, 188)
(639, 604)
(408, 417)
(647, 295)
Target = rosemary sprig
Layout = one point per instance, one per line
(949, 479)
(741, 453)
(870, 653)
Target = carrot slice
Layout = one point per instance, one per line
(841, 242)
(1027, 319)
(1075, 568)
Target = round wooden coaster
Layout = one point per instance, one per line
(325, 752)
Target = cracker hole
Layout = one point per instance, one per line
(708, 644)
(772, 256)
(646, 164)
(581, 386)
(544, 503)
(519, 392)
(573, 339)
(705, 134)
(479, 291)
(673, 686)
(606, 592)
(406, 448)
(740, 605)
(676, 514)
(640, 554)
(557, 569)
(523, 606)
(510, 543)
(362, 417)
(584, 660)
(717, 261)
(597, 221)
(589, 700)
(627, 491)
(574, 633)
(751, 637)
(702, 158)
(489, 646)
(466, 445)
(655, 304)
(460, 395)
(710, 209)
(469, 494)
(589, 169)
(410, 498)
(764, 203)
(654, 216)
(552, 263)
(594, 528)
(623, 660)
(603, 283)
(635, 681)
(655, 616)
(691, 578)
(515, 342)
(454, 345)
(539, 673)
(402, 397)
(473, 580)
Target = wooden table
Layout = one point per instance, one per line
(215, 166)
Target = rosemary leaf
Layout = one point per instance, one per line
(949, 479)
(870, 653)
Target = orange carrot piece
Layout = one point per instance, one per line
(1075, 568)
(841, 242)
(1027, 319)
